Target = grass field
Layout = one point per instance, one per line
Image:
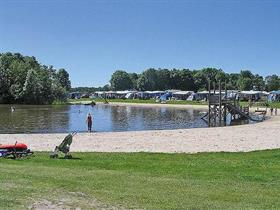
(143, 181)
(149, 101)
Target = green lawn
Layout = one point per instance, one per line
(150, 101)
(144, 180)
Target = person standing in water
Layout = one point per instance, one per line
(13, 108)
(89, 122)
(271, 110)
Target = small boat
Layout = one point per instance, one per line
(91, 103)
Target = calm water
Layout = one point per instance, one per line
(56, 119)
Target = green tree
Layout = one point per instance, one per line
(175, 79)
(200, 81)
(186, 81)
(258, 82)
(106, 88)
(32, 88)
(121, 80)
(272, 82)
(134, 77)
(24, 80)
(148, 80)
(245, 80)
(163, 79)
(63, 79)
(231, 80)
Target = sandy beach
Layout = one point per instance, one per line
(243, 138)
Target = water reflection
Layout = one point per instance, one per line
(34, 119)
(55, 119)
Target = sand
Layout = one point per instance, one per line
(243, 138)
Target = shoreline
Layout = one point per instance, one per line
(187, 106)
(239, 138)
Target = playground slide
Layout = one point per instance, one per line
(240, 112)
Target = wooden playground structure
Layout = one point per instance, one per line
(220, 106)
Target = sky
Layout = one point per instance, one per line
(92, 39)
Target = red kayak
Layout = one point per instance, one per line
(16, 146)
(17, 150)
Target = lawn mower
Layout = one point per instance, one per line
(64, 147)
(17, 150)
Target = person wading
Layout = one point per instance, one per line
(89, 122)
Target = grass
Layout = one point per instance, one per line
(144, 180)
(149, 101)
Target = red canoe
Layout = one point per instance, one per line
(17, 146)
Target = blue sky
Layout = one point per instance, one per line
(92, 39)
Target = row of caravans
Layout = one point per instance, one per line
(181, 95)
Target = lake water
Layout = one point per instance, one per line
(67, 118)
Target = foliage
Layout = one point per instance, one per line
(148, 80)
(63, 79)
(121, 80)
(272, 82)
(195, 80)
(90, 89)
(143, 181)
(24, 80)
(134, 77)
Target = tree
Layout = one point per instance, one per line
(134, 77)
(231, 80)
(32, 88)
(272, 83)
(121, 80)
(186, 81)
(106, 88)
(200, 81)
(148, 80)
(163, 79)
(4, 85)
(258, 82)
(63, 79)
(245, 80)
(24, 80)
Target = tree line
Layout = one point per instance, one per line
(24, 80)
(90, 89)
(194, 80)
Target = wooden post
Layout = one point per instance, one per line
(225, 90)
(214, 87)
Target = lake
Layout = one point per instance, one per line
(67, 118)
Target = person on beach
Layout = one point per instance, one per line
(89, 122)
(275, 111)
(271, 110)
